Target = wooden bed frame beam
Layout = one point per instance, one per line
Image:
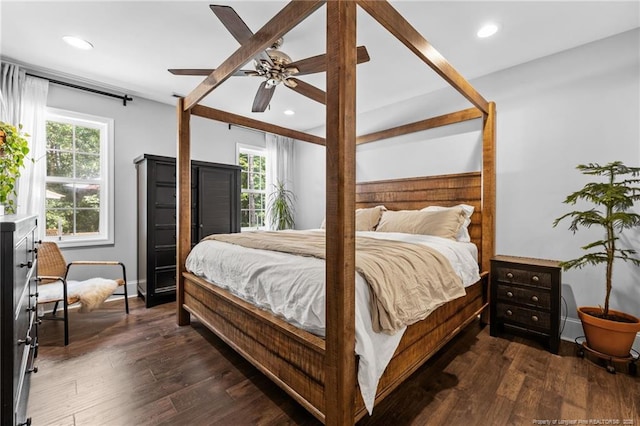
(397, 25)
(183, 206)
(417, 126)
(290, 16)
(340, 372)
(250, 123)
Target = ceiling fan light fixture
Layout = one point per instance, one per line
(289, 112)
(487, 30)
(77, 42)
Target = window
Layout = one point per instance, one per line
(253, 162)
(79, 179)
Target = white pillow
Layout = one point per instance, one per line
(463, 233)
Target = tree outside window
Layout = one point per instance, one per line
(253, 183)
(76, 180)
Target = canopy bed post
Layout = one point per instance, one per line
(340, 372)
(183, 204)
(488, 185)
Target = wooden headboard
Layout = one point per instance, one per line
(420, 192)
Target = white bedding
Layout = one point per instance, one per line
(293, 287)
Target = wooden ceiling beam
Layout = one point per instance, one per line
(418, 126)
(290, 16)
(397, 25)
(250, 123)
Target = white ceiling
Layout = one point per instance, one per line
(136, 41)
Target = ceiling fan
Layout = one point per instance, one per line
(273, 65)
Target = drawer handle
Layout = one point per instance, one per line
(31, 309)
(26, 341)
(534, 298)
(509, 312)
(26, 422)
(535, 279)
(509, 294)
(509, 275)
(534, 318)
(32, 370)
(29, 264)
(36, 294)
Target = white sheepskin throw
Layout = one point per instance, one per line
(90, 293)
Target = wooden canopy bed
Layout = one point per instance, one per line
(321, 373)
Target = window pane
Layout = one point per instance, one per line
(88, 140)
(244, 201)
(88, 196)
(59, 195)
(87, 166)
(57, 219)
(244, 180)
(88, 221)
(59, 164)
(59, 136)
(244, 218)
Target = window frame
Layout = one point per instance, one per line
(106, 181)
(261, 151)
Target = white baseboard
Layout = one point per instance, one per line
(573, 329)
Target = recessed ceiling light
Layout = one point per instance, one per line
(78, 43)
(487, 30)
(289, 112)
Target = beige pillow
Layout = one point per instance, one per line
(366, 219)
(444, 223)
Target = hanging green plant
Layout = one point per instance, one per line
(281, 207)
(14, 148)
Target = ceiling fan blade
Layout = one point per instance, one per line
(308, 90)
(263, 97)
(237, 27)
(207, 71)
(317, 63)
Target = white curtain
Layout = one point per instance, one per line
(31, 188)
(23, 100)
(279, 164)
(12, 80)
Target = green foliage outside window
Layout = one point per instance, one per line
(253, 184)
(73, 179)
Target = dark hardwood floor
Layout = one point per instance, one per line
(142, 369)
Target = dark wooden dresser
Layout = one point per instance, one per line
(18, 322)
(215, 209)
(525, 298)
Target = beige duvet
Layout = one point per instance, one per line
(408, 281)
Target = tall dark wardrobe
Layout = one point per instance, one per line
(215, 209)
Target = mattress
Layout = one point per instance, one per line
(293, 287)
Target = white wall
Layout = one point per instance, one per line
(578, 106)
(144, 127)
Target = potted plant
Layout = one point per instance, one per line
(607, 331)
(13, 151)
(280, 207)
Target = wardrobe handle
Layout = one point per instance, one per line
(534, 298)
(29, 264)
(509, 294)
(509, 275)
(509, 312)
(534, 318)
(535, 279)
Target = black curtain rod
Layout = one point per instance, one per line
(124, 98)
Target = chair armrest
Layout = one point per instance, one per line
(51, 277)
(98, 263)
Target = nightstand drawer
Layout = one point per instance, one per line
(520, 276)
(534, 297)
(524, 316)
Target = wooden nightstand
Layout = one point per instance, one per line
(525, 298)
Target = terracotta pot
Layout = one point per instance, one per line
(609, 337)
